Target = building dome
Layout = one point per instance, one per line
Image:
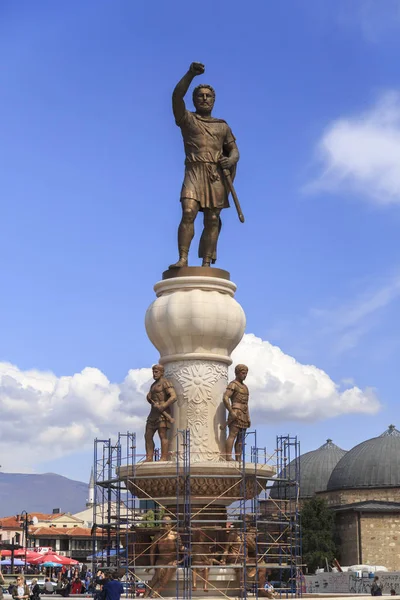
(315, 469)
(374, 463)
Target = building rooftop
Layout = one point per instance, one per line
(374, 463)
(315, 469)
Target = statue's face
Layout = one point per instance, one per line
(204, 101)
(242, 374)
(167, 522)
(157, 372)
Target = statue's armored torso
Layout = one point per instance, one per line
(240, 404)
(159, 394)
(204, 139)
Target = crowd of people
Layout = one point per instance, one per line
(65, 583)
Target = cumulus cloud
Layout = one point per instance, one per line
(283, 389)
(44, 416)
(362, 153)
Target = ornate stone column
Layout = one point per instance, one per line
(195, 323)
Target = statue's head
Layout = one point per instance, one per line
(241, 372)
(167, 522)
(203, 99)
(158, 371)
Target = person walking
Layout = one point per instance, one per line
(376, 587)
(113, 588)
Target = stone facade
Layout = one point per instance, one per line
(347, 530)
(380, 539)
(344, 497)
(370, 537)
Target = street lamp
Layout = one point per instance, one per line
(24, 517)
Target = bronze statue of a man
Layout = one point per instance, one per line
(161, 395)
(236, 400)
(210, 148)
(165, 549)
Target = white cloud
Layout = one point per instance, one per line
(44, 416)
(376, 20)
(282, 388)
(349, 323)
(362, 153)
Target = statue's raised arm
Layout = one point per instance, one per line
(178, 103)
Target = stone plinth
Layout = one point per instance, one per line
(221, 583)
(195, 323)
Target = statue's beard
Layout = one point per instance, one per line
(204, 109)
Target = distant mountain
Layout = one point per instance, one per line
(40, 493)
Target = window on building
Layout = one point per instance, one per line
(47, 542)
(64, 545)
(83, 544)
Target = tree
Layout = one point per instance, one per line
(147, 519)
(319, 542)
(152, 518)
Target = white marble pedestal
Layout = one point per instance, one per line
(195, 323)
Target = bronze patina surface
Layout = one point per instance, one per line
(196, 271)
(236, 400)
(161, 395)
(210, 149)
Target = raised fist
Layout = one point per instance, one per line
(197, 68)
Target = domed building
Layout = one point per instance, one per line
(364, 491)
(314, 468)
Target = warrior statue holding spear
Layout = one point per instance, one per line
(210, 165)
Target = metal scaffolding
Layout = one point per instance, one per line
(255, 538)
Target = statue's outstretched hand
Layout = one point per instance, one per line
(197, 68)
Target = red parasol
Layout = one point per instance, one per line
(52, 557)
(20, 552)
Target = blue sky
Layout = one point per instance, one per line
(91, 165)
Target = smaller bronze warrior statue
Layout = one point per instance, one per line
(237, 550)
(236, 400)
(202, 557)
(165, 548)
(234, 555)
(160, 396)
(253, 556)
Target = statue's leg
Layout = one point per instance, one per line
(239, 444)
(150, 586)
(194, 575)
(206, 573)
(211, 233)
(233, 431)
(149, 442)
(163, 579)
(239, 582)
(163, 433)
(262, 576)
(190, 208)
